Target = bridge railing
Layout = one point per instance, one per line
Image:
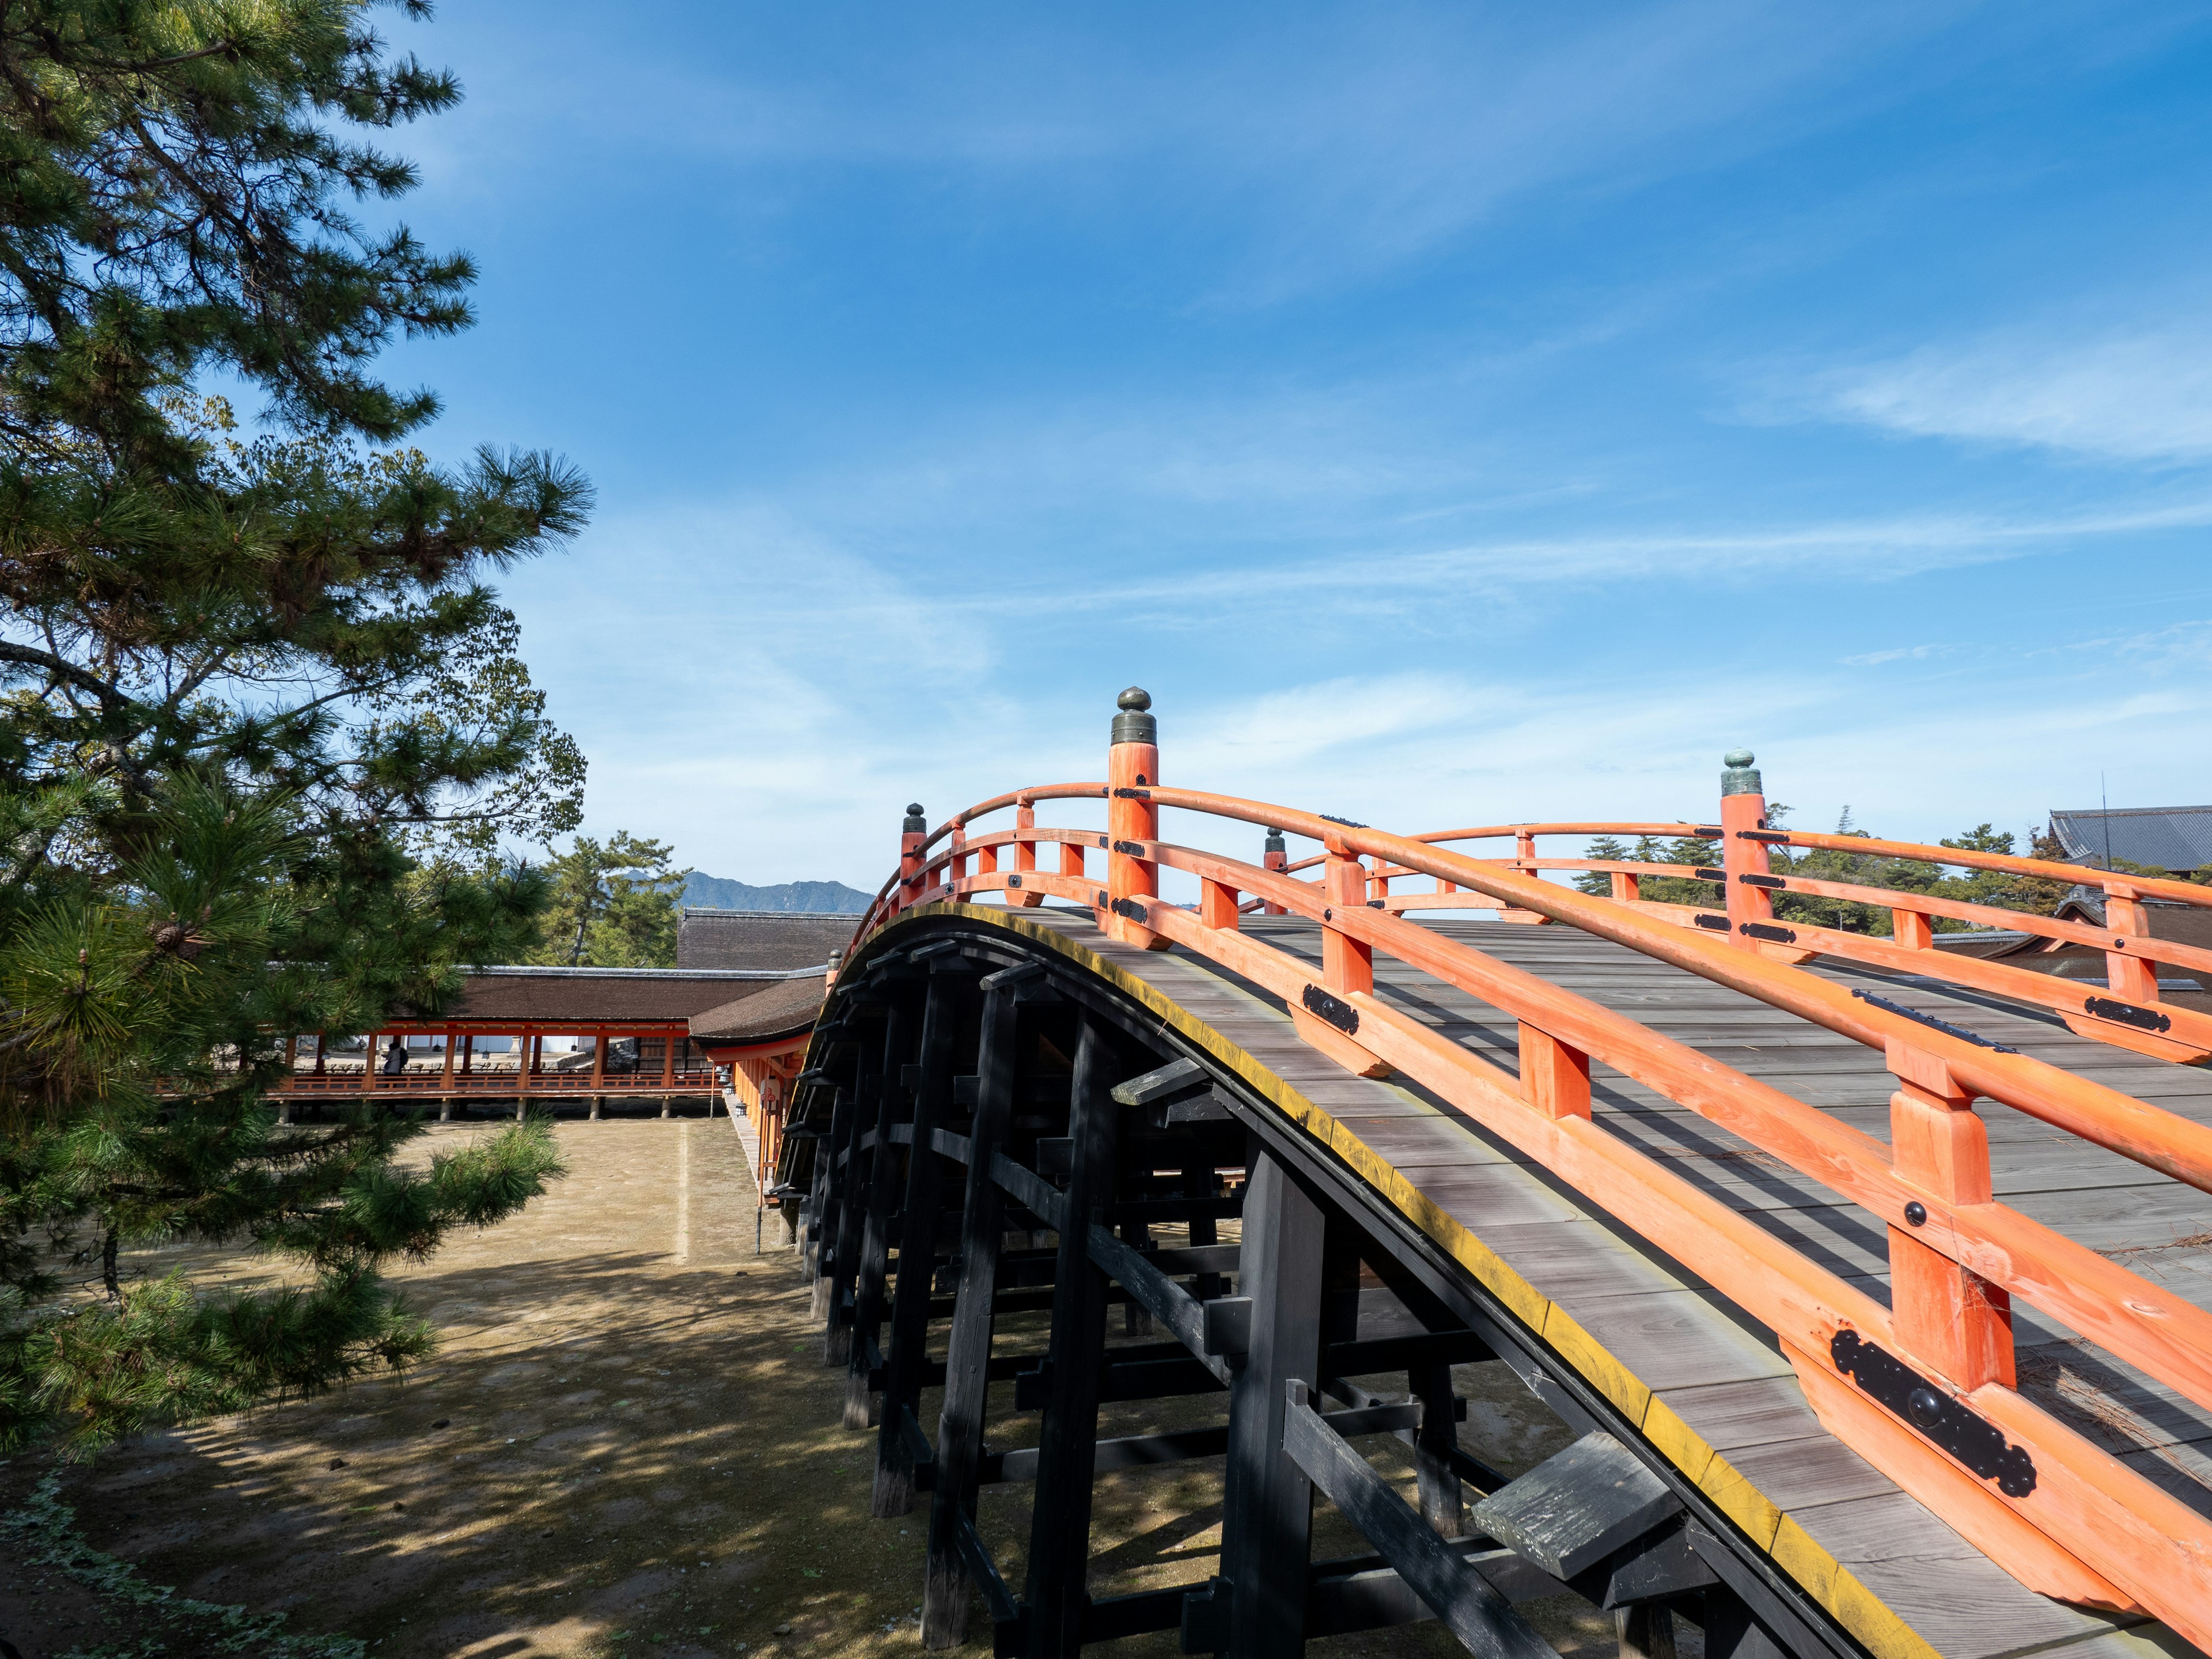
(1924, 1388)
(2131, 1012)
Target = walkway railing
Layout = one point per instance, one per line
(1923, 1388)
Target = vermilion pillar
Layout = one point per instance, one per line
(1133, 766)
(1743, 816)
(1278, 858)
(912, 832)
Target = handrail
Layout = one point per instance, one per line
(2086, 1527)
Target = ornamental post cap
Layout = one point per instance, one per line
(1738, 757)
(914, 809)
(1134, 723)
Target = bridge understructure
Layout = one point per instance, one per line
(1861, 1292)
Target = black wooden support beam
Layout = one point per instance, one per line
(1578, 1506)
(967, 1372)
(1467, 1602)
(1060, 1527)
(874, 1173)
(1268, 1503)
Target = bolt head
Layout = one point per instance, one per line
(1135, 699)
(1738, 757)
(1916, 1212)
(1924, 1407)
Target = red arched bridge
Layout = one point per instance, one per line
(1863, 1271)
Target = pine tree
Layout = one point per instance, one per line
(616, 903)
(264, 730)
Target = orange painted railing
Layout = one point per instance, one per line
(2078, 1524)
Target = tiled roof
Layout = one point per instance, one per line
(783, 1010)
(589, 995)
(761, 938)
(2169, 838)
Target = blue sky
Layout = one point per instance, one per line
(1451, 414)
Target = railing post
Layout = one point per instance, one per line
(1132, 765)
(987, 859)
(1911, 929)
(912, 832)
(2132, 978)
(956, 866)
(1278, 859)
(1626, 887)
(1554, 1078)
(1024, 855)
(1378, 884)
(1347, 966)
(1216, 904)
(1743, 812)
(1947, 1316)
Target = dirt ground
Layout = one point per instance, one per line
(627, 1446)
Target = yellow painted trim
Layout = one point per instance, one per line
(1824, 1578)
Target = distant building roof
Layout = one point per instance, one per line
(783, 1010)
(2169, 838)
(590, 996)
(783, 939)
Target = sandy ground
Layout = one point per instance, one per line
(627, 1446)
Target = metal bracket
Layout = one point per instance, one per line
(2126, 1013)
(1950, 1422)
(1768, 932)
(1337, 1011)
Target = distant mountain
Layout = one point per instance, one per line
(719, 893)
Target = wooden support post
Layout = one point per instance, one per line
(1554, 1078)
(987, 861)
(1524, 851)
(445, 1078)
(1347, 970)
(1059, 1527)
(668, 1041)
(319, 1053)
(1267, 1508)
(526, 1069)
(1025, 856)
(1626, 888)
(1200, 1181)
(1278, 858)
(1071, 860)
(468, 1054)
(913, 832)
(1912, 930)
(1378, 884)
(2132, 978)
(906, 1354)
(1133, 766)
(1743, 811)
(968, 1351)
(955, 864)
(291, 1077)
(1443, 1504)
(882, 1167)
(598, 1071)
(1645, 1630)
(1948, 1317)
(1347, 965)
(847, 1197)
(1216, 904)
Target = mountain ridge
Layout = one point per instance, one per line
(721, 893)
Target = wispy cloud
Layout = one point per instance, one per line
(2135, 395)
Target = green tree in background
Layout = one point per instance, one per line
(1993, 888)
(262, 727)
(615, 904)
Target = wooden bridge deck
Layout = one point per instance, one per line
(1720, 1372)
